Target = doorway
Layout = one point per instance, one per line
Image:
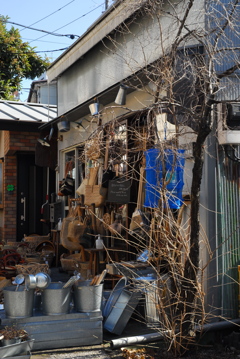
(31, 195)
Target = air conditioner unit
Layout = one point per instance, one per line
(228, 123)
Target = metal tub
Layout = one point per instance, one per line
(56, 299)
(86, 297)
(18, 304)
(15, 350)
(121, 312)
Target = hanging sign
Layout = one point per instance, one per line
(119, 191)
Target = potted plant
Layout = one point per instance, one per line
(11, 335)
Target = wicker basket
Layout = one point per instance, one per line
(33, 258)
(36, 239)
(4, 282)
(45, 246)
(92, 195)
(74, 262)
(11, 245)
(32, 268)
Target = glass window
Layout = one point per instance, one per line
(70, 163)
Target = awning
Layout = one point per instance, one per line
(24, 116)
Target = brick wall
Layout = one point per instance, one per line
(10, 202)
(13, 142)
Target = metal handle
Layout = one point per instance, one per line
(23, 217)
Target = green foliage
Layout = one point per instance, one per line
(18, 60)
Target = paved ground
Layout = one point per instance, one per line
(74, 353)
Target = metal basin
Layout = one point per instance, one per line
(117, 290)
(56, 299)
(87, 298)
(18, 304)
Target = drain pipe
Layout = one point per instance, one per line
(138, 339)
(153, 337)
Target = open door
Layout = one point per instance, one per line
(31, 194)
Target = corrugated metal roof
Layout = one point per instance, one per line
(24, 111)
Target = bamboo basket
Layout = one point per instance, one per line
(33, 258)
(32, 268)
(11, 245)
(36, 239)
(4, 282)
(45, 246)
(92, 195)
(74, 262)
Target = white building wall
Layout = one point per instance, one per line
(107, 64)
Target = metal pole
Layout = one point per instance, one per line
(106, 4)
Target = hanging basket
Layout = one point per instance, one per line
(92, 195)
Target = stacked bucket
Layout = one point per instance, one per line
(172, 171)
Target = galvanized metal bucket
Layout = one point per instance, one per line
(56, 299)
(86, 297)
(18, 304)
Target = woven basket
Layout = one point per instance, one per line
(33, 258)
(11, 245)
(4, 282)
(45, 246)
(92, 195)
(36, 239)
(32, 268)
(74, 262)
(76, 229)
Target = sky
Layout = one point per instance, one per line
(62, 17)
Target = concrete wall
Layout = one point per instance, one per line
(110, 62)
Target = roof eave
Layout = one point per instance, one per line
(117, 14)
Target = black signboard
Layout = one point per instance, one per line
(119, 191)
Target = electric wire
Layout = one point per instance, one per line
(50, 42)
(53, 33)
(36, 22)
(71, 21)
(32, 28)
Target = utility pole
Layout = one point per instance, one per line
(106, 5)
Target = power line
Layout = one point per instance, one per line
(51, 14)
(36, 52)
(72, 21)
(65, 48)
(50, 42)
(71, 36)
